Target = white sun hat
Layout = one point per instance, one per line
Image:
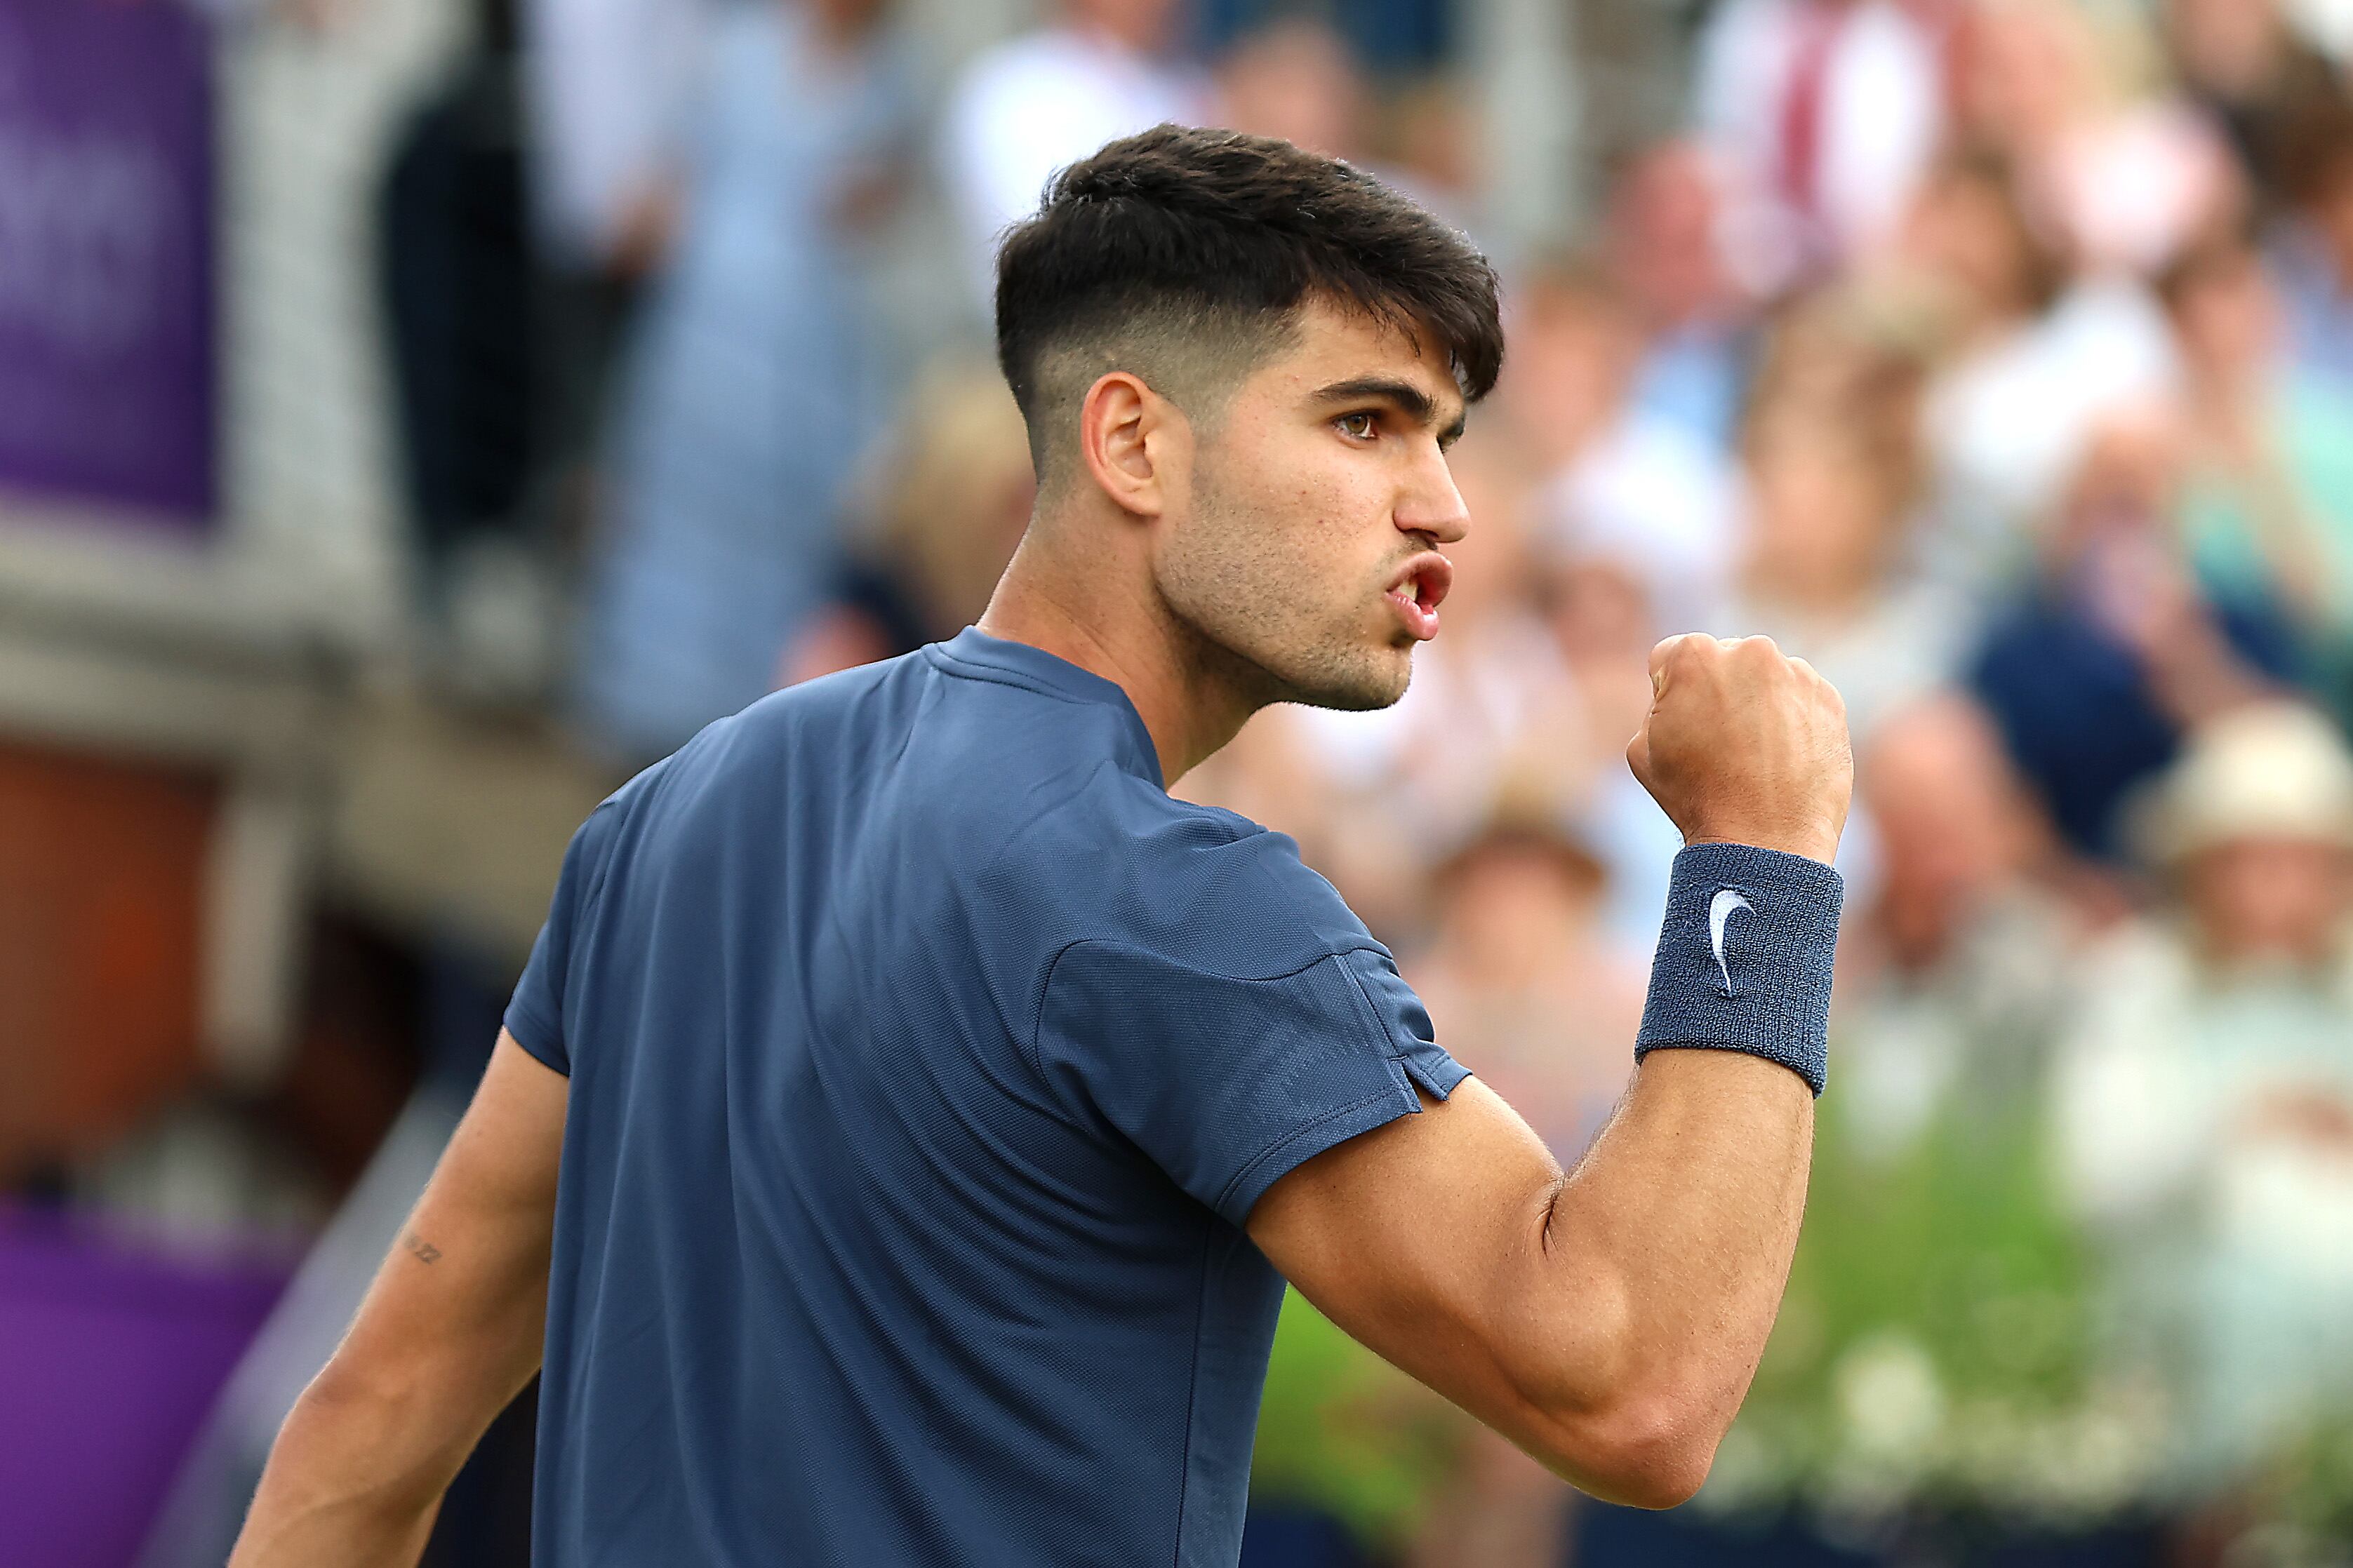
(2269, 770)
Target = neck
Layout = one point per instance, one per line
(1191, 695)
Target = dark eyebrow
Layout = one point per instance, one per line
(1404, 396)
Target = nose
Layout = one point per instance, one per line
(1431, 504)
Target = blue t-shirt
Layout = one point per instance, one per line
(926, 1061)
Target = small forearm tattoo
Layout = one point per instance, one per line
(425, 1250)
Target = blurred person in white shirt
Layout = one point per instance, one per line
(1663, 234)
(2124, 169)
(1826, 568)
(1636, 527)
(1839, 559)
(1019, 110)
(756, 376)
(607, 83)
(1954, 979)
(1822, 115)
(1613, 471)
(2033, 358)
(2204, 1099)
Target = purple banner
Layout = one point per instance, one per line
(106, 254)
(110, 1357)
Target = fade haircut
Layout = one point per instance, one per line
(1184, 255)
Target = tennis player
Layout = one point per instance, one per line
(900, 1139)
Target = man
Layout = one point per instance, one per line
(946, 1103)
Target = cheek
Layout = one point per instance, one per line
(1290, 500)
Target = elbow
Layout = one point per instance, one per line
(1631, 1416)
(1629, 1436)
(1647, 1453)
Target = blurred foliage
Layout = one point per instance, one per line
(1342, 1431)
(2304, 1504)
(1937, 1345)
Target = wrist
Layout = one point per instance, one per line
(1818, 843)
(1744, 957)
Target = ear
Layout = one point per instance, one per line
(1126, 432)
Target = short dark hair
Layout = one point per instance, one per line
(1197, 248)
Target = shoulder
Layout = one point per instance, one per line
(736, 761)
(850, 696)
(1198, 886)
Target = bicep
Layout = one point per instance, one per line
(1425, 1240)
(458, 1310)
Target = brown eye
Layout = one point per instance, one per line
(1359, 426)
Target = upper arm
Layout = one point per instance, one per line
(450, 1330)
(1609, 1320)
(1427, 1240)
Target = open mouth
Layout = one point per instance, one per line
(1418, 590)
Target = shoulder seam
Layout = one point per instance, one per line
(1296, 1133)
(949, 665)
(1036, 1059)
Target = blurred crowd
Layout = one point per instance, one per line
(1994, 355)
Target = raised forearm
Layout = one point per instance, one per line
(1679, 1226)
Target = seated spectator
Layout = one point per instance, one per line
(2267, 506)
(1600, 597)
(2095, 671)
(2204, 1106)
(1299, 78)
(956, 489)
(1531, 993)
(1664, 250)
(1526, 987)
(1954, 962)
(1612, 471)
(2312, 252)
(2122, 176)
(1825, 570)
(2250, 70)
(2033, 361)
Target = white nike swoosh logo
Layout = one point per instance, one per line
(1719, 911)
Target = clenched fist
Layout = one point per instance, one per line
(1745, 746)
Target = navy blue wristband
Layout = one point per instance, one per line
(1745, 958)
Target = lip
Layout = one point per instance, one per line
(1417, 589)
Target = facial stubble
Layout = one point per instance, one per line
(1237, 599)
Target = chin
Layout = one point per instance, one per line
(1373, 682)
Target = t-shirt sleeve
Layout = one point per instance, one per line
(1229, 1081)
(535, 1015)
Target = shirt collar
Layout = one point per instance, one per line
(1041, 670)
